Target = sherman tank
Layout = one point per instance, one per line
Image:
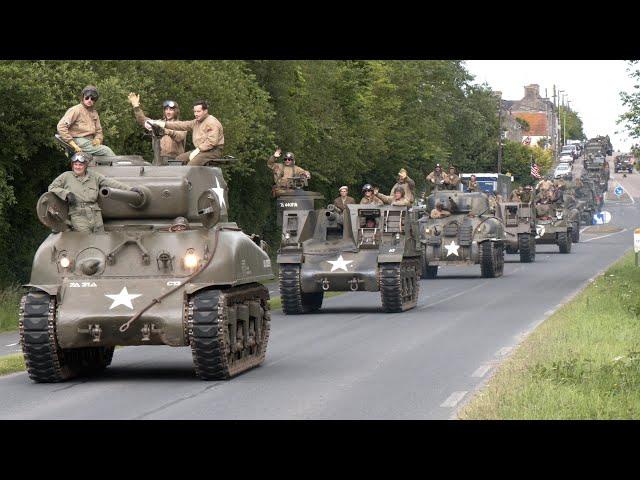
(169, 269)
(363, 248)
(471, 235)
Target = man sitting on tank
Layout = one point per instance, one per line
(398, 199)
(80, 189)
(439, 211)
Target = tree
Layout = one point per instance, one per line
(573, 124)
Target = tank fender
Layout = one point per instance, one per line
(53, 290)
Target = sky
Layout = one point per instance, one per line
(592, 86)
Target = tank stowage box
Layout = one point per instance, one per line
(150, 278)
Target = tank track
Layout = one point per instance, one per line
(46, 362)
(294, 301)
(400, 285)
(211, 322)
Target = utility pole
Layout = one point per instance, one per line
(560, 103)
(554, 133)
(500, 134)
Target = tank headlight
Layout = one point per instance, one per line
(287, 236)
(190, 259)
(559, 214)
(427, 230)
(65, 262)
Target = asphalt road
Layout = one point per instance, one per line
(350, 360)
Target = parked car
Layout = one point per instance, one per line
(562, 170)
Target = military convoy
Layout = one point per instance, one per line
(519, 219)
(169, 269)
(471, 235)
(363, 248)
(554, 225)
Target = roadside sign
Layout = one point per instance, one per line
(601, 218)
(619, 190)
(636, 240)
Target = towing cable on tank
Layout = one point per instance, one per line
(125, 326)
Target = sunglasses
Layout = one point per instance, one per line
(169, 104)
(288, 159)
(368, 191)
(91, 97)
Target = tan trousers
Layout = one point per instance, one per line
(202, 158)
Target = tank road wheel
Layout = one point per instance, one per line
(46, 362)
(575, 232)
(228, 330)
(564, 242)
(399, 285)
(294, 301)
(491, 259)
(527, 247)
(426, 270)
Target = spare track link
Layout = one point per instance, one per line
(208, 318)
(399, 285)
(46, 362)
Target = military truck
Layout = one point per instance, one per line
(553, 226)
(599, 145)
(169, 269)
(587, 202)
(471, 235)
(363, 248)
(519, 221)
(624, 163)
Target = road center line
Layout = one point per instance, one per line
(452, 296)
(453, 399)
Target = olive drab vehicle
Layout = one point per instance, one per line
(519, 221)
(169, 269)
(624, 163)
(471, 235)
(553, 225)
(295, 197)
(363, 248)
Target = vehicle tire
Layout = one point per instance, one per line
(527, 245)
(491, 259)
(564, 242)
(575, 232)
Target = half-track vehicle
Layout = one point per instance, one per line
(363, 248)
(168, 269)
(519, 221)
(471, 235)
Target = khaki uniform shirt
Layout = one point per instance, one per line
(371, 201)
(453, 181)
(282, 172)
(435, 213)
(408, 186)
(473, 186)
(545, 185)
(389, 200)
(206, 135)
(80, 121)
(437, 179)
(172, 142)
(338, 202)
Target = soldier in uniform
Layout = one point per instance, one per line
(80, 189)
(344, 198)
(368, 196)
(452, 181)
(398, 199)
(405, 182)
(473, 186)
(516, 195)
(544, 184)
(439, 211)
(207, 135)
(282, 172)
(173, 141)
(437, 178)
(526, 194)
(80, 126)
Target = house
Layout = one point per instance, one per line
(537, 113)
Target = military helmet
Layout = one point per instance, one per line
(290, 156)
(82, 157)
(90, 89)
(367, 186)
(179, 224)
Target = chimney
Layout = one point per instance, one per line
(532, 91)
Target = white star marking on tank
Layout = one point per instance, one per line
(339, 264)
(220, 192)
(452, 248)
(123, 298)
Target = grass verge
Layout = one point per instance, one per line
(583, 362)
(9, 305)
(11, 363)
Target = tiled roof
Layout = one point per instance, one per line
(537, 123)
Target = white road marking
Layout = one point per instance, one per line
(12, 344)
(604, 236)
(453, 399)
(503, 351)
(481, 371)
(451, 296)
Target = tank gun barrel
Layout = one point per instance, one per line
(333, 214)
(134, 198)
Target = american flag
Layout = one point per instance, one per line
(535, 172)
